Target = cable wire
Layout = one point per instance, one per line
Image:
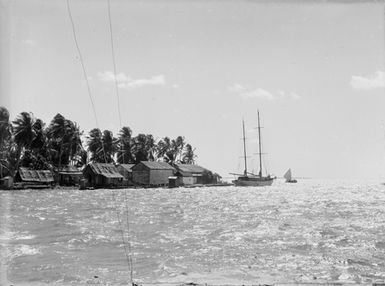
(129, 255)
(84, 72)
(114, 62)
(81, 61)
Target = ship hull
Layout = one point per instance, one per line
(254, 182)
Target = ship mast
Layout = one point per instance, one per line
(244, 146)
(259, 145)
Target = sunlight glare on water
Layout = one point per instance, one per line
(313, 231)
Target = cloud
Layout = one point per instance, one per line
(261, 93)
(373, 81)
(30, 42)
(258, 93)
(124, 81)
(236, 87)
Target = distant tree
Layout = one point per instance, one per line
(150, 147)
(124, 154)
(9, 158)
(74, 147)
(5, 125)
(179, 146)
(139, 149)
(95, 146)
(24, 133)
(40, 136)
(109, 143)
(163, 147)
(56, 134)
(36, 155)
(5, 137)
(188, 155)
(102, 146)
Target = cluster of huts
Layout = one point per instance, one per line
(103, 175)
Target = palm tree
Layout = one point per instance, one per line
(24, 133)
(179, 144)
(5, 126)
(95, 146)
(163, 147)
(188, 155)
(5, 136)
(150, 147)
(9, 158)
(40, 138)
(109, 144)
(56, 132)
(73, 141)
(124, 146)
(139, 148)
(37, 154)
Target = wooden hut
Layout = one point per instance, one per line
(152, 173)
(190, 174)
(102, 175)
(126, 171)
(34, 178)
(69, 176)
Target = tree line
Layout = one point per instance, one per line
(28, 142)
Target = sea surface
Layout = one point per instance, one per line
(315, 231)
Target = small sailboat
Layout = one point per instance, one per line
(249, 179)
(288, 177)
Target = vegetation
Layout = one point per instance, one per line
(29, 142)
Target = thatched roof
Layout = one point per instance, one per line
(41, 176)
(104, 169)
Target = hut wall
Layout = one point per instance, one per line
(188, 180)
(113, 181)
(69, 179)
(141, 177)
(126, 174)
(160, 177)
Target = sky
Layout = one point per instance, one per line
(315, 71)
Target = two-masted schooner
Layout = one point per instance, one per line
(249, 179)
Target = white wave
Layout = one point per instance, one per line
(23, 250)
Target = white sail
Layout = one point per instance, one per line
(287, 175)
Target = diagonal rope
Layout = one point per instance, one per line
(128, 258)
(84, 72)
(81, 61)
(127, 251)
(114, 62)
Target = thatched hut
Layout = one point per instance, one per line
(102, 175)
(69, 176)
(34, 178)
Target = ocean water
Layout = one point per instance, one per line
(311, 232)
